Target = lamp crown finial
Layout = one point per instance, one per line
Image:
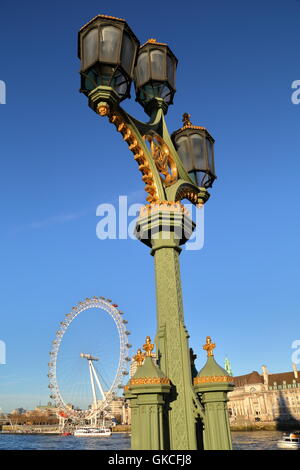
(152, 40)
(209, 346)
(186, 119)
(139, 357)
(148, 347)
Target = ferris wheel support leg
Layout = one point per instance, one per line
(92, 383)
(98, 382)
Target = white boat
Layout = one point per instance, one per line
(290, 441)
(92, 432)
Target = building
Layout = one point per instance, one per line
(119, 410)
(266, 398)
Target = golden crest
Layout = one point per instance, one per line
(163, 158)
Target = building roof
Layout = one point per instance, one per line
(248, 379)
(288, 377)
(255, 378)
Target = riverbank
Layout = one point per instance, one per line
(52, 430)
(262, 426)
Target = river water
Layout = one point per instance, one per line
(255, 440)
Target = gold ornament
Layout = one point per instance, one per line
(148, 347)
(163, 158)
(139, 357)
(209, 346)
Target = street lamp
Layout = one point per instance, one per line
(155, 75)
(173, 169)
(107, 48)
(195, 147)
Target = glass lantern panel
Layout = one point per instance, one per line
(110, 38)
(90, 80)
(119, 83)
(200, 178)
(204, 179)
(90, 44)
(210, 155)
(193, 176)
(157, 65)
(165, 94)
(157, 89)
(127, 53)
(198, 152)
(171, 71)
(183, 152)
(105, 74)
(142, 68)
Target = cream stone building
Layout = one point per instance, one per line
(270, 398)
(120, 409)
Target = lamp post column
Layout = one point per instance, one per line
(164, 230)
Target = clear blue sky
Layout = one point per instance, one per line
(59, 161)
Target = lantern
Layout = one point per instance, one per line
(155, 74)
(195, 147)
(107, 48)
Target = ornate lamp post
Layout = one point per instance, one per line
(110, 59)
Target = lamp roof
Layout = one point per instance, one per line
(105, 17)
(101, 16)
(187, 125)
(153, 43)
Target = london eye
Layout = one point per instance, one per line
(89, 360)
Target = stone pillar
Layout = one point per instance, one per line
(295, 370)
(265, 375)
(212, 385)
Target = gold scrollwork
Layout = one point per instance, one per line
(163, 158)
(139, 155)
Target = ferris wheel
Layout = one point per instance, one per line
(90, 356)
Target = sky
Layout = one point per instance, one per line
(59, 161)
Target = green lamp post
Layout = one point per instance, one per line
(172, 169)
